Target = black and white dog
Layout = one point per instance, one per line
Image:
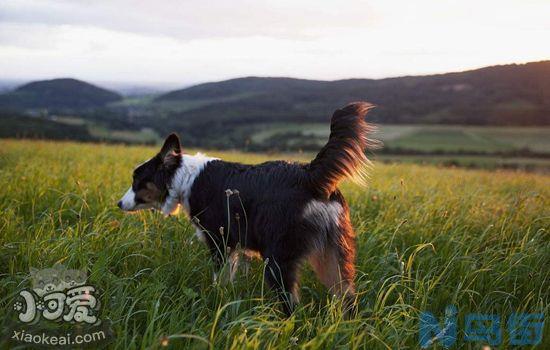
(287, 213)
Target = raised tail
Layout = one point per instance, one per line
(344, 154)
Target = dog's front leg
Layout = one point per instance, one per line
(234, 259)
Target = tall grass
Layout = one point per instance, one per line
(427, 237)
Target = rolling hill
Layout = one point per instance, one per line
(58, 94)
(499, 95)
(262, 113)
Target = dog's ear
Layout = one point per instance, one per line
(171, 145)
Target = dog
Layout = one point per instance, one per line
(287, 213)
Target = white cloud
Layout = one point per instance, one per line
(191, 41)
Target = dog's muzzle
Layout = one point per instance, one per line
(128, 201)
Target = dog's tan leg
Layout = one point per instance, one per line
(234, 258)
(333, 271)
(229, 271)
(336, 273)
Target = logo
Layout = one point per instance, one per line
(522, 328)
(60, 309)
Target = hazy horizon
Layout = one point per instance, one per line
(162, 85)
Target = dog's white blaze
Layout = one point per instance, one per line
(179, 190)
(128, 200)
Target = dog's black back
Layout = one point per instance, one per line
(265, 203)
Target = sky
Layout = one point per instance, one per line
(191, 41)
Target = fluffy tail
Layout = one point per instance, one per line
(344, 154)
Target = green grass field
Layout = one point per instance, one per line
(427, 237)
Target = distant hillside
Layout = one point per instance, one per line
(21, 126)
(500, 95)
(58, 94)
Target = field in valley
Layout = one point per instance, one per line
(427, 138)
(484, 147)
(481, 147)
(428, 237)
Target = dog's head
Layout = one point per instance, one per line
(150, 180)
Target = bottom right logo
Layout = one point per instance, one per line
(522, 328)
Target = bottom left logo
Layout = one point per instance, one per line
(60, 309)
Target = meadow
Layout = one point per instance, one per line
(427, 237)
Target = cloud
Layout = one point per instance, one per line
(192, 41)
(192, 19)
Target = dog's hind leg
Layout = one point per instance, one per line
(282, 276)
(333, 272)
(334, 266)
